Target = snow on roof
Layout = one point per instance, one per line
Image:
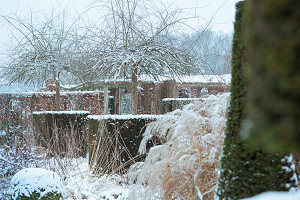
(222, 78)
(100, 117)
(62, 112)
(42, 181)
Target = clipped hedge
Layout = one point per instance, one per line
(274, 96)
(171, 104)
(63, 133)
(245, 170)
(114, 141)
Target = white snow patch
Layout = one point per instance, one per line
(78, 112)
(48, 93)
(223, 78)
(276, 196)
(100, 117)
(183, 99)
(39, 180)
(3, 133)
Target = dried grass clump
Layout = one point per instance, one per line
(186, 166)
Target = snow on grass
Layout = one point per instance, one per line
(82, 184)
(186, 164)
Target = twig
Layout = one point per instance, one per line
(12, 163)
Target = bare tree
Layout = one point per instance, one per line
(213, 48)
(43, 50)
(135, 41)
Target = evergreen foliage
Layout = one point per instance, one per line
(246, 171)
(37, 196)
(114, 142)
(57, 130)
(274, 95)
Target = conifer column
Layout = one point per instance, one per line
(274, 51)
(245, 170)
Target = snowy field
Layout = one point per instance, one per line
(184, 166)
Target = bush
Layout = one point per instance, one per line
(36, 184)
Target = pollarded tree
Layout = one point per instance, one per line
(135, 42)
(42, 50)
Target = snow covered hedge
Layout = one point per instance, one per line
(114, 141)
(63, 133)
(36, 184)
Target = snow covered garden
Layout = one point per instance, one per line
(185, 163)
(184, 166)
(132, 109)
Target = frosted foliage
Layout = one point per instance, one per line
(30, 180)
(186, 164)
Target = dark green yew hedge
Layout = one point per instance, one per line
(274, 95)
(171, 104)
(63, 133)
(246, 170)
(37, 196)
(114, 141)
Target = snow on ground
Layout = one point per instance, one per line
(191, 142)
(82, 184)
(183, 166)
(276, 196)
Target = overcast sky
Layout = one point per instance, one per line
(220, 11)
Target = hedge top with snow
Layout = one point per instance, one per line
(77, 112)
(101, 117)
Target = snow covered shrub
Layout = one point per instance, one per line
(185, 166)
(63, 133)
(247, 170)
(114, 141)
(274, 96)
(36, 184)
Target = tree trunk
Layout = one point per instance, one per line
(134, 92)
(57, 95)
(105, 109)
